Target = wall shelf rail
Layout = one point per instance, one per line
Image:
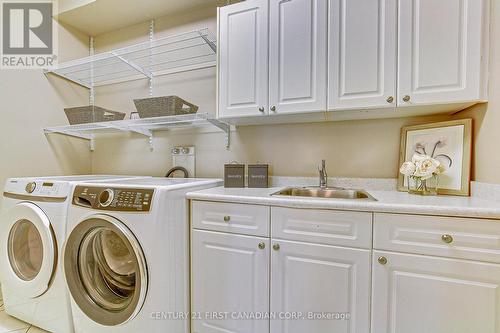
(172, 54)
(144, 126)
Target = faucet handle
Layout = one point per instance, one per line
(323, 176)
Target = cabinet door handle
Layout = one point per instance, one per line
(448, 239)
(261, 109)
(276, 247)
(390, 99)
(262, 245)
(382, 260)
(273, 108)
(227, 218)
(407, 98)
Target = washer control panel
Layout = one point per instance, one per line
(37, 190)
(116, 199)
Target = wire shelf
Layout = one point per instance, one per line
(187, 51)
(144, 126)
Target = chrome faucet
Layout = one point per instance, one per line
(323, 176)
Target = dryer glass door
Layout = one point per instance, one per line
(29, 261)
(105, 270)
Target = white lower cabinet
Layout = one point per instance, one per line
(422, 274)
(416, 294)
(230, 279)
(319, 288)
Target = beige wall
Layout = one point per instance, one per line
(487, 116)
(31, 102)
(366, 148)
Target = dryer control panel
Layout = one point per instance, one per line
(116, 199)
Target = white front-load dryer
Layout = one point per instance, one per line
(32, 232)
(126, 258)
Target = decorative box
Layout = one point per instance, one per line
(258, 175)
(234, 175)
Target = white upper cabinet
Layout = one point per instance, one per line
(243, 59)
(362, 54)
(358, 58)
(441, 49)
(297, 56)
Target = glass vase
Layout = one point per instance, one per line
(417, 185)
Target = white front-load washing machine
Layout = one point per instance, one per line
(32, 232)
(126, 258)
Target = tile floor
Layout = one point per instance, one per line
(13, 325)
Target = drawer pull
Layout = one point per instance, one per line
(227, 218)
(447, 239)
(276, 247)
(382, 260)
(262, 246)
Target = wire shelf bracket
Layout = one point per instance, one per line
(84, 136)
(226, 128)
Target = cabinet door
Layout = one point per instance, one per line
(243, 59)
(440, 48)
(297, 56)
(415, 294)
(362, 53)
(230, 278)
(309, 279)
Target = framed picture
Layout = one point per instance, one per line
(450, 143)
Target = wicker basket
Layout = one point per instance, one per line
(163, 106)
(91, 114)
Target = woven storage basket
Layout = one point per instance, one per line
(91, 114)
(163, 106)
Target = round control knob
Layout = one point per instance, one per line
(106, 197)
(30, 187)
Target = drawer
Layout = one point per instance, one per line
(229, 217)
(462, 238)
(343, 228)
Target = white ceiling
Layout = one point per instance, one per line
(95, 17)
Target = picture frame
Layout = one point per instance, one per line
(451, 143)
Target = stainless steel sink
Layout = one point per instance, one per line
(328, 192)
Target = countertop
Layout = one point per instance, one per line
(387, 202)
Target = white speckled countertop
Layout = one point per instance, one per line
(387, 201)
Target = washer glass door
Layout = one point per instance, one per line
(25, 250)
(105, 270)
(28, 261)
